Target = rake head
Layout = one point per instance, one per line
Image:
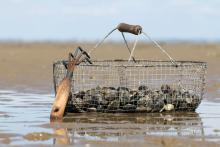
(76, 58)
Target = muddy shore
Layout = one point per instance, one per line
(28, 66)
(27, 69)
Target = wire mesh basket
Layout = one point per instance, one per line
(144, 86)
(134, 86)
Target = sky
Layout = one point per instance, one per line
(61, 20)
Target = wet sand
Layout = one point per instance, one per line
(27, 123)
(28, 66)
(26, 97)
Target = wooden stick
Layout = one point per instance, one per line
(61, 99)
(63, 92)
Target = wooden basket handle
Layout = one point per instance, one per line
(133, 29)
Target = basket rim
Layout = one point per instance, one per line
(140, 60)
(180, 63)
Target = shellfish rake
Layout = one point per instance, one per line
(64, 88)
(79, 56)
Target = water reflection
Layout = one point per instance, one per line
(24, 119)
(118, 127)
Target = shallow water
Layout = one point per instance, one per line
(24, 120)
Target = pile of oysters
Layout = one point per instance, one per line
(142, 99)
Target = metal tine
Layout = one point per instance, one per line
(79, 56)
(83, 56)
(86, 59)
(87, 55)
(81, 60)
(84, 52)
(76, 52)
(71, 56)
(69, 60)
(65, 64)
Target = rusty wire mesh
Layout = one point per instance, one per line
(144, 86)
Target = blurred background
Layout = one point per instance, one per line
(34, 34)
(67, 20)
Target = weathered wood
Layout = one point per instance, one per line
(61, 99)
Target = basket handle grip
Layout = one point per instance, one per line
(133, 29)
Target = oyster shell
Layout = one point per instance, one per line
(143, 109)
(165, 89)
(134, 97)
(123, 95)
(167, 107)
(129, 107)
(78, 104)
(158, 101)
(114, 105)
(92, 109)
(143, 87)
(123, 88)
(142, 99)
(80, 94)
(109, 93)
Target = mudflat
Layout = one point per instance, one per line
(26, 96)
(28, 66)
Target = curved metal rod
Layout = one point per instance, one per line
(135, 43)
(163, 50)
(100, 42)
(126, 43)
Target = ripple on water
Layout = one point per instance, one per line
(4, 114)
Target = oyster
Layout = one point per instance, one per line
(168, 97)
(80, 94)
(143, 109)
(142, 99)
(109, 93)
(143, 90)
(92, 109)
(165, 89)
(134, 97)
(123, 88)
(189, 100)
(167, 107)
(114, 105)
(158, 101)
(104, 103)
(155, 93)
(146, 100)
(129, 107)
(98, 88)
(92, 98)
(123, 95)
(78, 104)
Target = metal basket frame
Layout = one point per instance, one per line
(134, 85)
(188, 77)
